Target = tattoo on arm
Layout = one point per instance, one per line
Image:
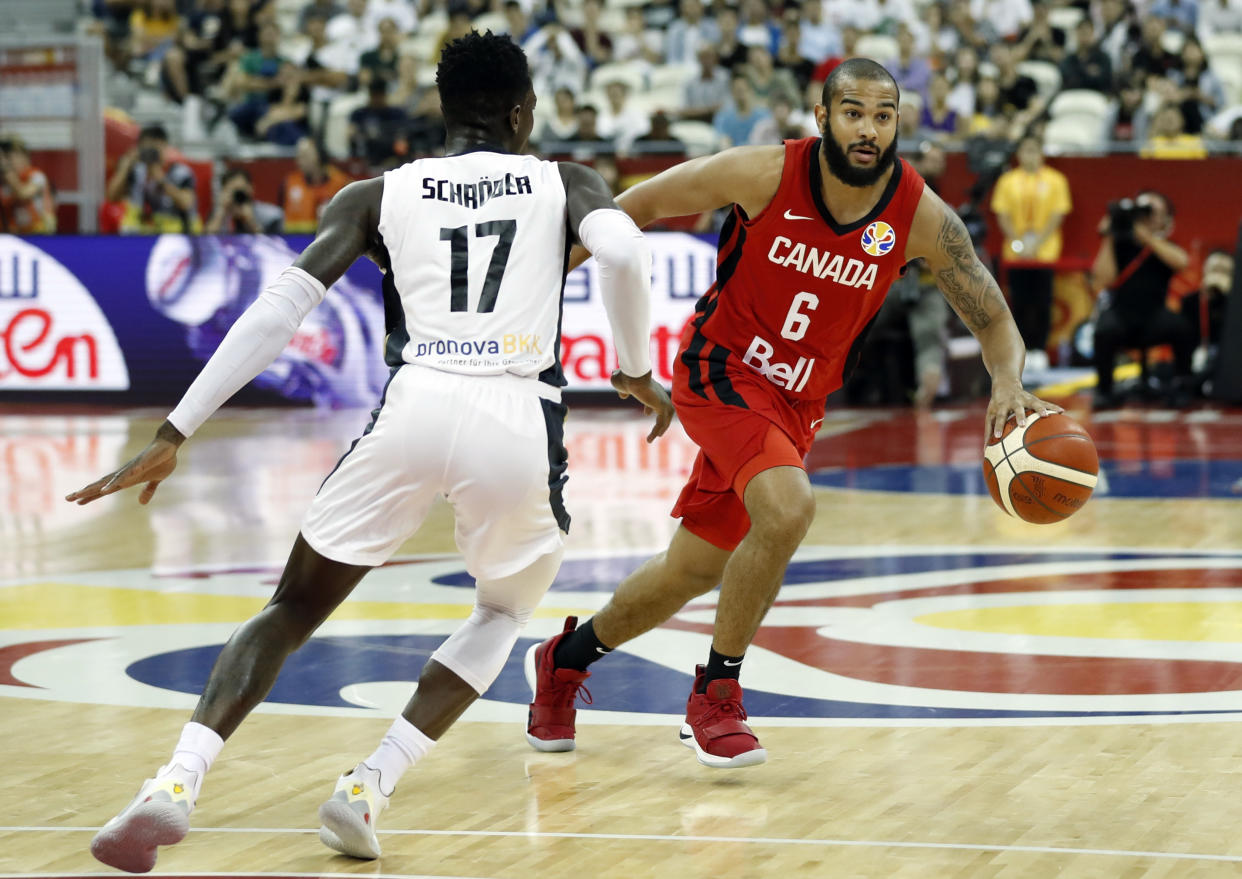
(968, 286)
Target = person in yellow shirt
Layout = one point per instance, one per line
(1168, 138)
(1030, 202)
(153, 27)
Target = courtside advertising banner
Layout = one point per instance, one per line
(132, 319)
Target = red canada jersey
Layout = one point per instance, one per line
(795, 290)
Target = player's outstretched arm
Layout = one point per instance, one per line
(940, 237)
(152, 466)
(625, 286)
(747, 176)
(348, 229)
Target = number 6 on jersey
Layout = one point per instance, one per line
(796, 322)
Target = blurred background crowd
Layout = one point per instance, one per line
(246, 116)
(350, 84)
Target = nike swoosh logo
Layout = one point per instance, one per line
(816, 423)
(602, 652)
(732, 664)
(789, 216)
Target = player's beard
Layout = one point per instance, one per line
(839, 161)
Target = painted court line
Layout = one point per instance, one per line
(245, 875)
(655, 837)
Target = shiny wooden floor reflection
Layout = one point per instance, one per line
(848, 791)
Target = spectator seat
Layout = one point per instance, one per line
(1046, 75)
(336, 124)
(700, 138)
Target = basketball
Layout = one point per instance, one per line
(1043, 472)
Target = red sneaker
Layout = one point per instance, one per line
(716, 726)
(550, 723)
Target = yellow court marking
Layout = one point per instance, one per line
(68, 605)
(1063, 389)
(1151, 621)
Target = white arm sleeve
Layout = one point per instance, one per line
(249, 347)
(625, 283)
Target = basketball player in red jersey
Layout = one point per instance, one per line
(819, 230)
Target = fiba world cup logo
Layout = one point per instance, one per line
(878, 239)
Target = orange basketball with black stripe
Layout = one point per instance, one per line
(1042, 472)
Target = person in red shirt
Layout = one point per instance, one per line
(819, 229)
(26, 206)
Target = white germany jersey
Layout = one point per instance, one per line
(477, 244)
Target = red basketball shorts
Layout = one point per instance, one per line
(735, 443)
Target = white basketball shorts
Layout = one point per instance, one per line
(492, 445)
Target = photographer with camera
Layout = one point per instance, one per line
(236, 211)
(26, 206)
(1135, 263)
(158, 192)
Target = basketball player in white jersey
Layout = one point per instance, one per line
(474, 248)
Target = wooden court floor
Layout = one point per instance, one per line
(943, 691)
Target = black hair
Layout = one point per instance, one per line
(481, 77)
(856, 70)
(153, 132)
(1168, 205)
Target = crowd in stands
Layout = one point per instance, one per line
(618, 77)
(278, 70)
(623, 77)
(332, 82)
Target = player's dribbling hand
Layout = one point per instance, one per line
(651, 394)
(1012, 400)
(152, 465)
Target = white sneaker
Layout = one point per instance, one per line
(159, 815)
(349, 816)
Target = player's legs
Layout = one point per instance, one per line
(556, 668)
(661, 586)
(714, 519)
(501, 472)
(467, 663)
(365, 508)
(310, 588)
(459, 671)
(781, 507)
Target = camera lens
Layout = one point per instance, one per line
(240, 196)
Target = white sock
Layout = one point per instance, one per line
(402, 747)
(197, 749)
